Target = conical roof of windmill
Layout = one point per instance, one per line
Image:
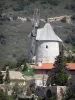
(47, 33)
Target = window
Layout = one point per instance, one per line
(46, 46)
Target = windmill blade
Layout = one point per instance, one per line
(36, 17)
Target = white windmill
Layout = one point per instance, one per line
(47, 45)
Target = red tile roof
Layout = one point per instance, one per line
(44, 66)
(70, 66)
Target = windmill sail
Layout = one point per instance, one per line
(36, 19)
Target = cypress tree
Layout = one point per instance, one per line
(61, 75)
(7, 77)
(1, 78)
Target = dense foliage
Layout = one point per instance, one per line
(3, 95)
(71, 39)
(70, 94)
(1, 78)
(7, 77)
(60, 75)
(70, 59)
(61, 78)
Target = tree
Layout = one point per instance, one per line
(7, 77)
(61, 78)
(69, 94)
(50, 80)
(32, 87)
(1, 78)
(2, 4)
(15, 90)
(22, 62)
(3, 96)
(61, 75)
(24, 66)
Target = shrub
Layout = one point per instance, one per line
(52, 2)
(3, 95)
(61, 78)
(72, 7)
(71, 39)
(70, 94)
(7, 77)
(73, 49)
(11, 64)
(73, 17)
(2, 39)
(70, 59)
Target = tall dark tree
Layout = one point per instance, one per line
(7, 77)
(2, 5)
(1, 78)
(60, 75)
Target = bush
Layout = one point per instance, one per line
(11, 64)
(2, 39)
(67, 6)
(71, 39)
(73, 17)
(61, 78)
(72, 7)
(52, 2)
(73, 49)
(70, 94)
(3, 95)
(70, 59)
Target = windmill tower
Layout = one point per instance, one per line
(47, 45)
(35, 22)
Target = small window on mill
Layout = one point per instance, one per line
(46, 46)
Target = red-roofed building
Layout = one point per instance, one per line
(49, 66)
(45, 68)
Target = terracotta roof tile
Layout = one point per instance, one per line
(45, 66)
(71, 66)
